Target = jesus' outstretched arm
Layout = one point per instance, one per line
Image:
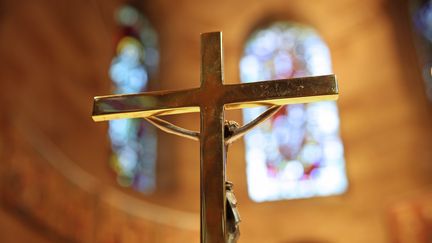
(233, 135)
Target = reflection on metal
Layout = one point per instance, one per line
(210, 100)
(233, 96)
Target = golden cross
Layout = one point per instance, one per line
(210, 99)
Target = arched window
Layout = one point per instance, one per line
(298, 153)
(133, 140)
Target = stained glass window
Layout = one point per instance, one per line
(422, 18)
(133, 140)
(298, 153)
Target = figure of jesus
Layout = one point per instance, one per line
(232, 132)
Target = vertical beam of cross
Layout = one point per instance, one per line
(212, 185)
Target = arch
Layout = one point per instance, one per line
(298, 153)
(133, 141)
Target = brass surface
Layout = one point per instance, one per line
(232, 96)
(210, 100)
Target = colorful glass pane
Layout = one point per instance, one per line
(423, 19)
(421, 11)
(133, 140)
(298, 153)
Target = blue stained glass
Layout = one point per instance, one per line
(133, 140)
(423, 20)
(298, 153)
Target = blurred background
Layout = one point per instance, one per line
(355, 170)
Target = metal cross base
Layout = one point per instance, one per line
(210, 99)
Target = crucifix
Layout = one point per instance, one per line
(211, 99)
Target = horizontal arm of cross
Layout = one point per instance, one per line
(232, 96)
(281, 92)
(148, 104)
